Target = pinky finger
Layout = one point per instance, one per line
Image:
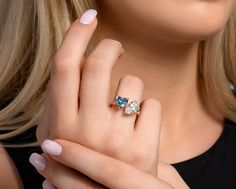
(59, 176)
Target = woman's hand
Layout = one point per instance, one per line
(77, 109)
(109, 172)
(77, 103)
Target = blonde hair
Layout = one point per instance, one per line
(30, 33)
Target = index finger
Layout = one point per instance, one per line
(65, 74)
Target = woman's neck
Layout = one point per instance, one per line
(168, 70)
(170, 74)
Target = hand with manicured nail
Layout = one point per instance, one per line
(77, 104)
(77, 110)
(87, 164)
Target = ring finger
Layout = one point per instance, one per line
(130, 87)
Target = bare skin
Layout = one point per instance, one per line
(9, 177)
(181, 137)
(166, 68)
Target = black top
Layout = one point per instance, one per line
(216, 167)
(213, 169)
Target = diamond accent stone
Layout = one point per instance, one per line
(121, 102)
(132, 108)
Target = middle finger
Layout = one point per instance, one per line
(96, 76)
(65, 74)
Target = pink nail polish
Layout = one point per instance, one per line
(38, 161)
(51, 147)
(47, 185)
(88, 16)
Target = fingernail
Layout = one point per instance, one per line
(51, 147)
(88, 16)
(38, 161)
(47, 185)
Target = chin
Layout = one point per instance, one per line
(197, 22)
(175, 20)
(194, 30)
(182, 20)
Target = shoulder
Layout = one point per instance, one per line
(9, 178)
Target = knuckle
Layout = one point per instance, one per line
(132, 80)
(96, 63)
(98, 60)
(62, 65)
